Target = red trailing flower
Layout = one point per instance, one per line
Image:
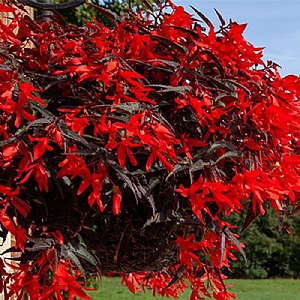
(124, 150)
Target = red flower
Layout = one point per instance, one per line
(41, 147)
(116, 208)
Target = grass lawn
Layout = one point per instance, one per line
(274, 289)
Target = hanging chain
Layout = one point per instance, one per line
(46, 5)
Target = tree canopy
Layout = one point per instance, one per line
(124, 150)
(83, 13)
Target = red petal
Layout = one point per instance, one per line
(116, 208)
(4, 8)
(122, 155)
(8, 224)
(21, 206)
(10, 151)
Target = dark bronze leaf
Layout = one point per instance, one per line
(220, 17)
(83, 253)
(123, 175)
(249, 217)
(193, 33)
(228, 155)
(169, 43)
(177, 168)
(170, 89)
(221, 144)
(234, 240)
(198, 165)
(202, 16)
(75, 261)
(107, 12)
(178, 275)
(223, 242)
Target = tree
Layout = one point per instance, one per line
(83, 13)
(272, 246)
(123, 150)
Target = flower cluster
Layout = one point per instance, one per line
(123, 150)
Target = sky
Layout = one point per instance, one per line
(273, 24)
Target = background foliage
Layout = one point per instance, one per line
(84, 13)
(272, 251)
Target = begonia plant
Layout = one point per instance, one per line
(123, 150)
